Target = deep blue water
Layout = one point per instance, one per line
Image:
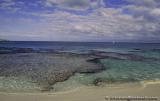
(77, 45)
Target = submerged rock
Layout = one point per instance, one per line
(122, 56)
(46, 88)
(99, 82)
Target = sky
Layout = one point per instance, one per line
(80, 20)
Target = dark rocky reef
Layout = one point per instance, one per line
(121, 56)
(145, 50)
(102, 81)
(45, 69)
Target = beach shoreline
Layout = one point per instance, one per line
(90, 93)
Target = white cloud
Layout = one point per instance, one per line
(104, 23)
(74, 4)
(142, 22)
(11, 5)
(155, 12)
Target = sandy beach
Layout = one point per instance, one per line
(149, 89)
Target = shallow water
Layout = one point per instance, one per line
(117, 71)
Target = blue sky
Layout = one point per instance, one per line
(80, 20)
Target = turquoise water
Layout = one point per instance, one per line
(117, 71)
(149, 53)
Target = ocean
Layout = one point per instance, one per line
(77, 45)
(123, 63)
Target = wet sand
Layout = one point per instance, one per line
(89, 93)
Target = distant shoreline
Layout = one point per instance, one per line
(1, 40)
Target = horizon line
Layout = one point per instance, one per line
(79, 41)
